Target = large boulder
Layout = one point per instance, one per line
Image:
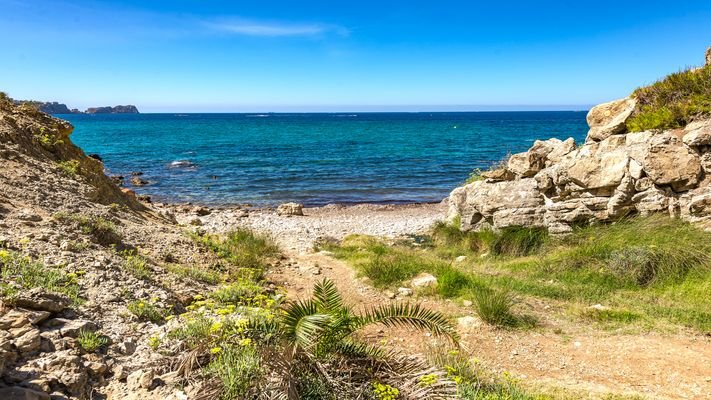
(609, 119)
(667, 161)
(507, 203)
(698, 133)
(600, 164)
(543, 153)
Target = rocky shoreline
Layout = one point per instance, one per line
(301, 232)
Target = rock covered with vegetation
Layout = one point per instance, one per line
(648, 153)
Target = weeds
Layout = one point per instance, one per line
(136, 264)
(247, 251)
(102, 231)
(20, 272)
(91, 341)
(147, 311)
(195, 273)
(237, 368)
(70, 168)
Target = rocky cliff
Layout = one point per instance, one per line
(618, 172)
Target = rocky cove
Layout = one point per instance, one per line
(105, 296)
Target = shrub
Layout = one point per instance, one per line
(71, 167)
(494, 306)
(146, 311)
(673, 101)
(91, 341)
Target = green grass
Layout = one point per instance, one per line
(653, 271)
(196, 273)
(101, 230)
(70, 167)
(90, 341)
(673, 101)
(19, 272)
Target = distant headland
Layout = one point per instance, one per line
(60, 108)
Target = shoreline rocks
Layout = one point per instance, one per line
(615, 174)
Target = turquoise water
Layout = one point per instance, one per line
(316, 159)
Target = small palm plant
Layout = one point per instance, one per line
(320, 337)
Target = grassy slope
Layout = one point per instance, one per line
(673, 101)
(654, 272)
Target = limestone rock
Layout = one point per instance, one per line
(288, 209)
(424, 280)
(708, 56)
(468, 322)
(41, 300)
(669, 162)
(403, 291)
(698, 133)
(600, 165)
(609, 119)
(498, 174)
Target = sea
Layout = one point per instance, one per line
(311, 158)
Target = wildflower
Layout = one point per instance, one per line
(245, 342)
(215, 350)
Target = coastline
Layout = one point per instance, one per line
(300, 233)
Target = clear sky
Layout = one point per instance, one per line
(207, 55)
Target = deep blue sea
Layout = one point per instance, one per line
(316, 159)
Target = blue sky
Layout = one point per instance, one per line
(412, 55)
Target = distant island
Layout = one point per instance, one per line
(60, 108)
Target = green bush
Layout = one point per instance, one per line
(673, 101)
(71, 167)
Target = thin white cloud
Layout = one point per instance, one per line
(275, 29)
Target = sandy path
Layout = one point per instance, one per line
(578, 358)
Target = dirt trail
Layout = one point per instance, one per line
(560, 354)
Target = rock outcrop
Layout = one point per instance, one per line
(128, 109)
(614, 174)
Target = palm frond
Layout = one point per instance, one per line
(327, 297)
(303, 323)
(351, 348)
(411, 316)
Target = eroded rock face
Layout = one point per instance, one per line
(556, 185)
(609, 119)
